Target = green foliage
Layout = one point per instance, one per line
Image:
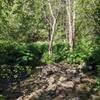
(8, 53)
(17, 59)
(98, 70)
(61, 52)
(20, 53)
(21, 20)
(48, 59)
(13, 72)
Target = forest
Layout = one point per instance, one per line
(49, 49)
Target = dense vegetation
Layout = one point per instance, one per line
(26, 28)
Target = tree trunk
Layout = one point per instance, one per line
(71, 22)
(52, 36)
(52, 28)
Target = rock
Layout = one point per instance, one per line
(68, 84)
(60, 97)
(44, 87)
(61, 82)
(88, 80)
(82, 75)
(59, 89)
(73, 71)
(75, 98)
(76, 80)
(20, 98)
(82, 88)
(94, 97)
(79, 87)
(90, 67)
(51, 87)
(61, 79)
(68, 70)
(82, 66)
(32, 96)
(85, 80)
(98, 93)
(51, 80)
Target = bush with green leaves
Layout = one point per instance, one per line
(13, 53)
(17, 59)
(17, 56)
(13, 73)
(61, 52)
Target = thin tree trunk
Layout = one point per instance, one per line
(74, 21)
(52, 36)
(70, 28)
(52, 28)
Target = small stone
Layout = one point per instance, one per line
(68, 84)
(76, 80)
(60, 89)
(51, 80)
(85, 80)
(61, 79)
(90, 67)
(79, 87)
(73, 71)
(51, 87)
(44, 87)
(88, 80)
(82, 88)
(68, 70)
(82, 75)
(20, 98)
(34, 95)
(82, 66)
(60, 97)
(75, 98)
(98, 93)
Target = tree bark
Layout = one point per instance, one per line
(52, 28)
(71, 22)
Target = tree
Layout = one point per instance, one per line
(52, 27)
(70, 8)
(51, 13)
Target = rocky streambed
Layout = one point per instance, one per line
(60, 82)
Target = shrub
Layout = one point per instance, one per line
(61, 53)
(14, 55)
(9, 72)
(17, 59)
(47, 59)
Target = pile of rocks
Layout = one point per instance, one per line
(62, 82)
